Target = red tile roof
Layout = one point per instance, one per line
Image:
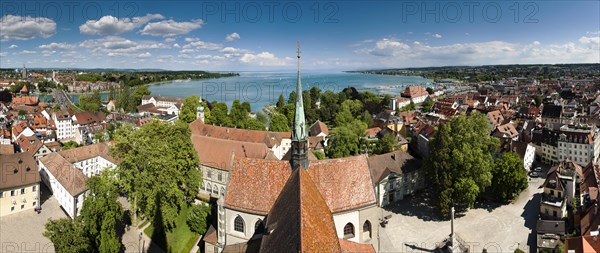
(300, 220)
(414, 91)
(18, 170)
(317, 128)
(269, 138)
(344, 183)
(353, 247)
(25, 100)
(217, 153)
(71, 178)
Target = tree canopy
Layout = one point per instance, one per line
(510, 177)
(462, 165)
(189, 109)
(160, 179)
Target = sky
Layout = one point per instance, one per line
(262, 36)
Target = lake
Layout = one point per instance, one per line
(264, 88)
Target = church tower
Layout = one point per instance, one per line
(299, 133)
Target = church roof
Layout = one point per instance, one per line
(300, 220)
(268, 138)
(344, 183)
(216, 153)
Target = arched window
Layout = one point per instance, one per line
(222, 191)
(259, 227)
(238, 224)
(208, 188)
(348, 231)
(367, 229)
(216, 189)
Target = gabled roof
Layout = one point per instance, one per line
(395, 162)
(269, 138)
(85, 118)
(344, 183)
(300, 220)
(86, 152)
(71, 178)
(18, 170)
(414, 91)
(217, 153)
(317, 128)
(552, 111)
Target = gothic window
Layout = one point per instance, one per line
(222, 191)
(348, 231)
(367, 229)
(258, 227)
(238, 224)
(208, 188)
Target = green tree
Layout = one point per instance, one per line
(342, 143)
(279, 123)
(461, 165)
(343, 117)
(280, 103)
(386, 144)
(429, 90)
(208, 118)
(367, 118)
(90, 102)
(67, 235)
(219, 115)
(427, 105)
(196, 218)
(102, 211)
(538, 100)
(137, 95)
(329, 106)
(238, 114)
(260, 116)
(509, 176)
(319, 155)
(160, 179)
(409, 107)
(254, 124)
(189, 109)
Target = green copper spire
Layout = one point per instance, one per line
(299, 132)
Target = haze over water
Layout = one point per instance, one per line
(263, 88)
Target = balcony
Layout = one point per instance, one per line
(552, 200)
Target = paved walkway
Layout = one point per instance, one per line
(495, 228)
(23, 231)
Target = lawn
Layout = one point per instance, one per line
(180, 239)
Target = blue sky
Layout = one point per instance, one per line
(243, 35)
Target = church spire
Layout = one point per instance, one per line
(299, 134)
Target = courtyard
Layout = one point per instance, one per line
(415, 227)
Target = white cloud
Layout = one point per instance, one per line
(109, 25)
(390, 52)
(47, 53)
(114, 45)
(191, 39)
(25, 28)
(176, 45)
(168, 28)
(203, 45)
(13, 46)
(144, 55)
(232, 37)
(185, 51)
(55, 46)
(265, 59)
(3, 54)
(170, 40)
(589, 40)
(24, 52)
(437, 36)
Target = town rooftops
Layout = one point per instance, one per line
(397, 162)
(344, 183)
(86, 152)
(25, 100)
(85, 118)
(583, 244)
(18, 170)
(550, 227)
(552, 111)
(166, 99)
(269, 138)
(414, 92)
(217, 153)
(71, 178)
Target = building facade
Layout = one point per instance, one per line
(579, 143)
(19, 184)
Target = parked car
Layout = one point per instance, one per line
(534, 174)
(538, 169)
